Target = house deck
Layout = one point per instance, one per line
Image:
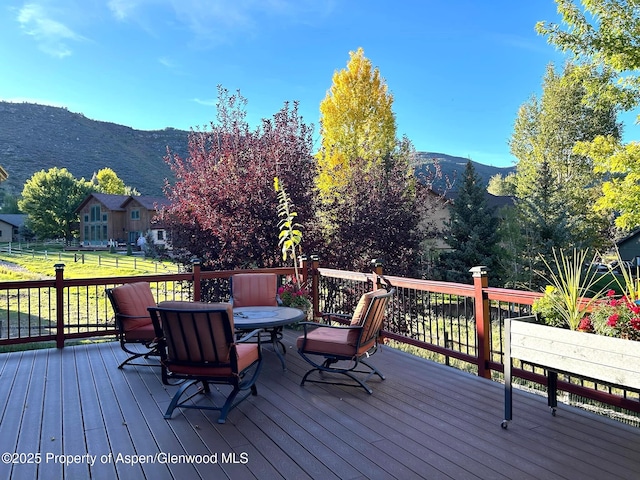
(424, 421)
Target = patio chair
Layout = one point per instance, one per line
(133, 322)
(342, 349)
(254, 290)
(197, 345)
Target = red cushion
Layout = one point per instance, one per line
(332, 341)
(132, 300)
(363, 306)
(145, 333)
(254, 290)
(360, 312)
(247, 353)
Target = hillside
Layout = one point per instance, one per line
(453, 168)
(38, 137)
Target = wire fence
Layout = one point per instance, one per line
(136, 261)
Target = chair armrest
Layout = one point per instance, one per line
(305, 326)
(327, 317)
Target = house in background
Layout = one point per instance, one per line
(629, 247)
(11, 227)
(122, 219)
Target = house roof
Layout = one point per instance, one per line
(119, 202)
(112, 202)
(14, 219)
(148, 202)
(631, 236)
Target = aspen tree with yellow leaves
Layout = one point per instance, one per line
(357, 124)
(367, 192)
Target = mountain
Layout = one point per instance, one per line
(453, 168)
(38, 137)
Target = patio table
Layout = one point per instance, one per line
(271, 320)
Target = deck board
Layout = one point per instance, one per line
(424, 421)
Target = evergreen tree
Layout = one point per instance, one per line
(555, 186)
(472, 232)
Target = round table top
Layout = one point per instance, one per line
(249, 318)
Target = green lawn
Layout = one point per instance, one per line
(36, 265)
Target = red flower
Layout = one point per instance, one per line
(611, 293)
(613, 320)
(635, 323)
(585, 325)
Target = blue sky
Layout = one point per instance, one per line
(458, 69)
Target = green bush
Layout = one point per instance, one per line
(545, 307)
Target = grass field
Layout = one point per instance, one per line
(40, 264)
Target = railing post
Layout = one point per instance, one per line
(59, 304)
(315, 285)
(303, 266)
(376, 266)
(196, 279)
(483, 320)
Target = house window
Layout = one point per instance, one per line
(95, 213)
(160, 235)
(135, 214)
(97, 228)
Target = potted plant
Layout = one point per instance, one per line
(572, 302)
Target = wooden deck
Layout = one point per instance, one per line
(425, 421)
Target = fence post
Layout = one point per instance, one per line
(315, 285)
(59, 304)
(303, 266)
(376, 266)
(196, 279)
(483, 320)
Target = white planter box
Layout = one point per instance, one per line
(609, 360)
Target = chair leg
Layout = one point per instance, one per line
(304, 379)
(326, 366)
(131, 358)
(374, 370)
(228, 405)
(176, 398)
(359, 382)
(133, 355)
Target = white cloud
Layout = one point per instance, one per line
(220, 21)
(167, 62)
(208, 103)
(124, 9)
(52, 36)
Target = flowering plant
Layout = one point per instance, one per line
(616, 317)
(294, 295)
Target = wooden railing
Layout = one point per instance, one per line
(458, 321)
